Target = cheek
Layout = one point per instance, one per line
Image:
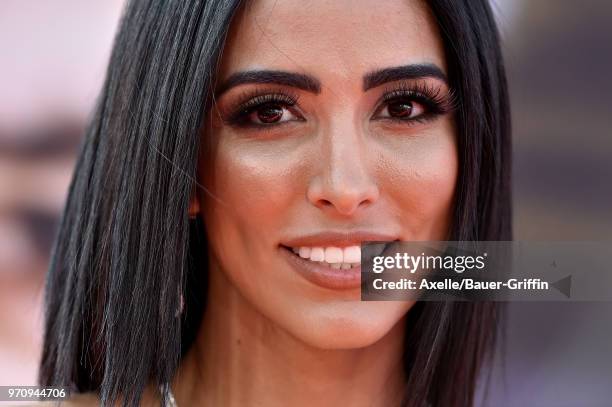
(254, 182)
(251, 190)
(420, 177)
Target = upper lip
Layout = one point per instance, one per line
(338, 239)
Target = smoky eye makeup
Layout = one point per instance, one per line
(262, 108)
(414, 102)
(404, 103)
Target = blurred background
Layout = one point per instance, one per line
(559, 59)
(53, 57)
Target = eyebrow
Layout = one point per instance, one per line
(415, 71)
(296, 80)
(311, 84)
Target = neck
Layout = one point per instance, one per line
(242, 358)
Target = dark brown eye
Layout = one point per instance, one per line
(269, 113)
(265, 109)
(400, 109)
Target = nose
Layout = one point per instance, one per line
(343, 184)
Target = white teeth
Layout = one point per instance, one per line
(352, 254)
(333, 255)
(317, 254)
(304, 252)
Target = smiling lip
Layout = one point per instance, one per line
(338, 239)
(318, 272)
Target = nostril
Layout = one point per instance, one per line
(325, 202)
(345, 204)
(342, 197)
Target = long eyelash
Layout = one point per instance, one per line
(434, 98)
(249, 101)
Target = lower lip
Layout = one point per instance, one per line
(322, 275)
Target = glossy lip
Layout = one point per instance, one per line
(320, 274)
(338, 239)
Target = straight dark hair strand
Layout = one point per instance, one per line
(125, 249)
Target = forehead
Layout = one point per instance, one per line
(333, 38)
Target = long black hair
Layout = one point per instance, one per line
(126, 248)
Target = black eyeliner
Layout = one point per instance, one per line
(251, 101)
(437, 101)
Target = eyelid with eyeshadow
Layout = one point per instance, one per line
(249, 101)
(435, 99)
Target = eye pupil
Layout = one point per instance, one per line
(400, 109)
(270, 113)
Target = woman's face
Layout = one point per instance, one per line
(332, 126)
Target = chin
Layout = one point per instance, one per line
(363, 325)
